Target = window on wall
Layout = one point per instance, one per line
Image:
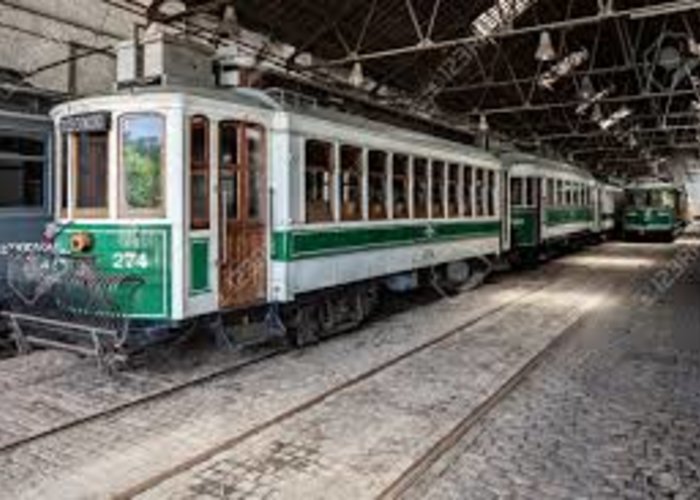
(569, 192)
(453, 190)
(491, 193)
(90, 173)
(351, 182)
(400, 186)
(420, 188)
(378, 184)
(143, 154)
(319, 181)
(438, 189)
(199, 173)
(516, 191)
(467, 199)
(479, 186)
(22, 160)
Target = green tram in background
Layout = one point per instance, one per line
(654, 209)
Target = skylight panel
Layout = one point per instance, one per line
(499, 15)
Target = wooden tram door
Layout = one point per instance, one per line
(242, 214)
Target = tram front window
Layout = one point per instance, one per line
(662, 199)
(142, 142)
(91, 173)
(637, 199)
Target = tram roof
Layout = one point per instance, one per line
(262, 100)
(513, 158)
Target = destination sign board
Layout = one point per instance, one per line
(88, 122)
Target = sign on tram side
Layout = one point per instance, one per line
(87, 122)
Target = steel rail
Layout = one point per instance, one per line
(148, 398)
(198, 458)
(417, 469)
(158, 395)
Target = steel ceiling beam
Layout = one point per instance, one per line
(666, 8)
(570, 104)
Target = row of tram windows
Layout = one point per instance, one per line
(341, 179)
(525, 192)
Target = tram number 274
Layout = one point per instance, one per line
(130, 260)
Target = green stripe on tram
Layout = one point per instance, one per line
(288, 245)
(560, 216)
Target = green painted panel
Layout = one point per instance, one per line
(651, 219)
(199, 266)
(299, 244)
(524, 223)
(141, 251)
(567, 215)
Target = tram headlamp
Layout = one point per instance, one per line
(81, 242)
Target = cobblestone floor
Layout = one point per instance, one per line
(614, 414)
(400, 409)
(356, 443)
(101, 457)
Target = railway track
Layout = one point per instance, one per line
(147, 398)
(402, 486)
(227, 370)
(308, 404)
(416, 471)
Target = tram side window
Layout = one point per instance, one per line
(199, 173)
(142, 150)
(351, 182)
(400, 186)
(453, 190)
(229, 166)
(64, 175)
(559, 200)
(467, 197)
(378, 185)
(531, 192)
(91, 173)
(479, 191)
(491, 193)
(516, 191)
(255, 151)
(551, 193)
(319, 181)
(438, 189)
(420, 188)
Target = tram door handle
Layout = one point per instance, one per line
(224, 226)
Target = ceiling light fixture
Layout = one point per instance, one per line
(615, 118)
(356, 77)
(563, 68)
(545, 50)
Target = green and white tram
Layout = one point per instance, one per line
(552, 204)
(227, 200)
(654, 208)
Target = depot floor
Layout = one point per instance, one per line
(609, 412)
